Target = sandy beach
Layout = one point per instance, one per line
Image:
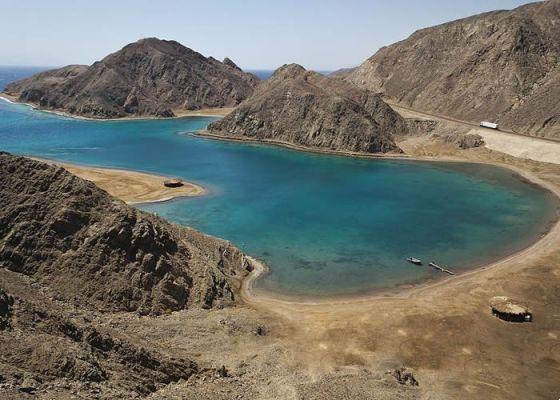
(443, 330)
(130, 186)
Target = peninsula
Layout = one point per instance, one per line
(305, 108)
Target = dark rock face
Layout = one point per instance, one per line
(150, 77)
(306, 108)
(403, 376)
(500, 66)
(97, 252)
(6, 304)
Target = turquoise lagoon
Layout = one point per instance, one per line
(325, 225)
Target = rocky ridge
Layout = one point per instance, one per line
(308, 109)
(150, 77)
(71, 258)
(499, 66)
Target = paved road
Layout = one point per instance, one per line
(463, 122)
(509, 142)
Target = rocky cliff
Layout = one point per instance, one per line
(150, 77)
(499, 66)
(306, 108)
(94, 251)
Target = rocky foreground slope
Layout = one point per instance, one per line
(78, 272)
(306, 108)
(68, 253)
(499, 66)
(150, 77)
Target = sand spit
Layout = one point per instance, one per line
(131, 187)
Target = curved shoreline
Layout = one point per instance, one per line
(251, 295)
(543, 246)
(301, 148)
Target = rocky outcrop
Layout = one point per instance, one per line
(94, 251)
(150, 77)
(305, 108)
(403, 376)
(499, 66)
(462, 140)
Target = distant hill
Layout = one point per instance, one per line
(150, 77)
(308, 109)
(499, 66)
(342, 72)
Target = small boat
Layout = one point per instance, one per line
(414, 260)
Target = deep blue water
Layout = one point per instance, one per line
(324, 224)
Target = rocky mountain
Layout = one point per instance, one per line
(501, 66)
(74, 262)
(150, 77)
(96, 252)
(306, 108)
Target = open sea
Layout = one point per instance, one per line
(325, 225)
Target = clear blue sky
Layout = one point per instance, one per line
(319, 34)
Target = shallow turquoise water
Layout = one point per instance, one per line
(324, 224)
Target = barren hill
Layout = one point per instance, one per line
(499, 66)
(306, 108)
(150, 77)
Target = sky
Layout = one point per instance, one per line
(321, 35)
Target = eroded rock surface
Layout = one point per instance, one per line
(150, 77)
(305, 108)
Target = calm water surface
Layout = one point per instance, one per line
(324, 224)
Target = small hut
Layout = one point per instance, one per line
(510, 310)
(173, 183)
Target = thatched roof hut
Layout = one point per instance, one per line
(173, 183)
(510, 310)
